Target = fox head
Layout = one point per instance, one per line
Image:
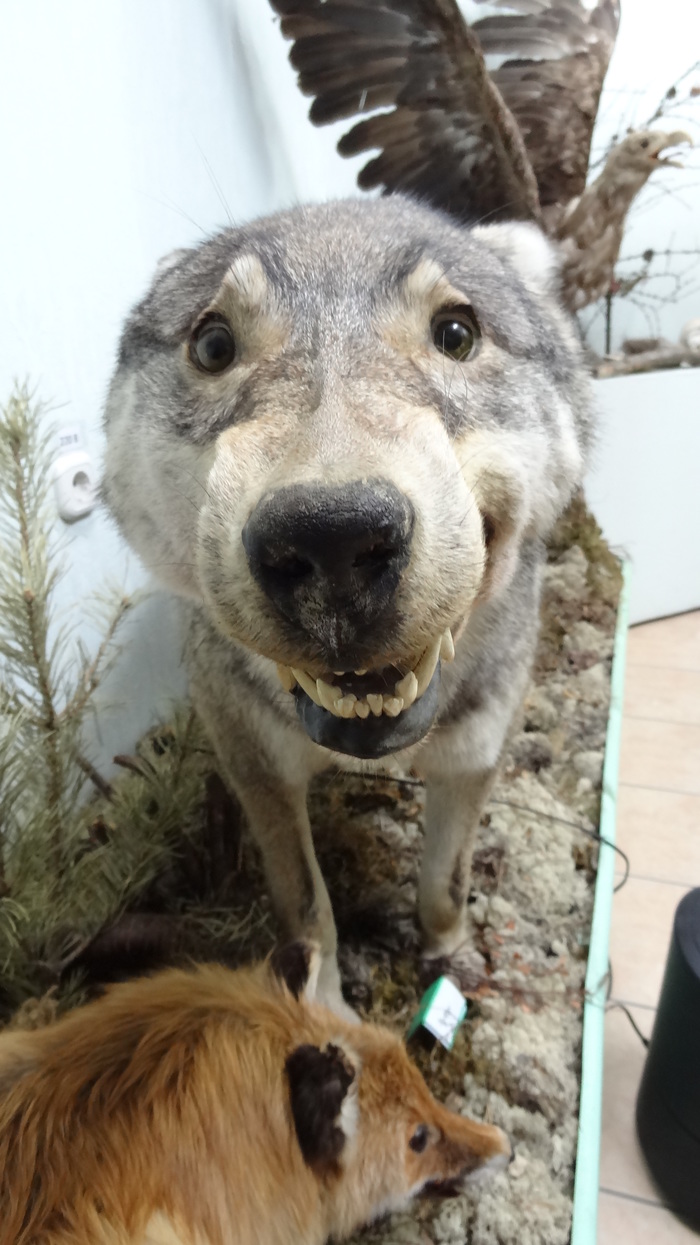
(370, 1129)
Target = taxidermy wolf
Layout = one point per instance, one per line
(342, 434)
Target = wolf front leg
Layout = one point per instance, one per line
(454, 803)
(268, 764)
(461, 761)
(279, 823)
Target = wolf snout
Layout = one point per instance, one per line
(315, 548)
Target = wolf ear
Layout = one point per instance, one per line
(166, 262)
(298, 964)
(319, 1081)
(532, 255)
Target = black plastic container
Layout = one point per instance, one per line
(668, 1102)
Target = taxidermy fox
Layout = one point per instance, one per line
(211, 1107)
(343, 433)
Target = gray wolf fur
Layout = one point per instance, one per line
(193, 1108)
(348, 493)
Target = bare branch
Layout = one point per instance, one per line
(668, 101)
(649, 361)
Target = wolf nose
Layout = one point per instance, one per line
(330, 547)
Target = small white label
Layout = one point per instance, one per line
(447, 1010)
(69, 438)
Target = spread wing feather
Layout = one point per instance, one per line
(556, 56)
(448, 137)
(477, 144)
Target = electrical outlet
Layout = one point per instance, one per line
(74, 484)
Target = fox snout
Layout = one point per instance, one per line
(474, 1150)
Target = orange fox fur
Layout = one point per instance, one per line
(209, 1107)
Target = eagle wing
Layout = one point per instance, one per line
(446, 134)
(553, 58)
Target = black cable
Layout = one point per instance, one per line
(576, 825)
(538, 812)
(611, 1006)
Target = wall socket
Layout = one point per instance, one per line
(74, 480)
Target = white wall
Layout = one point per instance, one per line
(129, 127)
(643, 487)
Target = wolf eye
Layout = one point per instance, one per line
(455, 332)
(419, 1140)
(212, 348)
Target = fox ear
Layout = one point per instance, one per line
(298, 964)
(319, 1081)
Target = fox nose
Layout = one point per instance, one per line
(316, 548)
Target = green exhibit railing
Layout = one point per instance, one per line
(587, 1179)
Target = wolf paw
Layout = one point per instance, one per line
(465, 965)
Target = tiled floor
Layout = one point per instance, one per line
(658, 826)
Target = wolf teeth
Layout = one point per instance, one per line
(393, 706)
(426, 666)
(286, 678)
(309, 685)
(330, 696)
(447, 646)
(407, 690)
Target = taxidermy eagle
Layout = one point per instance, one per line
(512, 142)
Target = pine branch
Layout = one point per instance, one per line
(42, 761)
(89, 770)
(93, 671)
(85, 884)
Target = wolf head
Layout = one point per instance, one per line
(335, 428)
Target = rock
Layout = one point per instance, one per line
(567, 576)
(478, 909)
(593, 685)
(449, 1224)
(584, 637)
(531, 750)
(501, 911)
(518, 1167)
(540, 713)
(527, 1062)
(531, 1210)
(589, 765)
